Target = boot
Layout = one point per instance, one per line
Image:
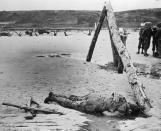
(142, 51)
(138, 51)
(145, 53)
(153, 54)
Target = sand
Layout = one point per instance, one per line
(30, 67)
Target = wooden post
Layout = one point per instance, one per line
(97, 31)
(114, 51)
(116, 58)
(139, 95)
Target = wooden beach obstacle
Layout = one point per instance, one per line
(93, 103)
(121, 56)
(97, 31)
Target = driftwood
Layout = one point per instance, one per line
(139, 95)
(33, 109)
(97, 31)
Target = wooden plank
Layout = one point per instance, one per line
(114, 51)
(140, 97)
(116, 58)
(97, 31)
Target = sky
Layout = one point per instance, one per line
(118, 5)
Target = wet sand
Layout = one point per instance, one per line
(26, 69)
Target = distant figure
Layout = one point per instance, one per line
(158, 39)
(141, 39)
(123, 35)
(55, 33)
(28, 32)
(155, 42)
(65, 33)
(34, 31)
(5, 33)
(94, 103)
(90, 32)
(42, 31)
(18, 33)
(147, 34)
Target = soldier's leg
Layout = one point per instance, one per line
(52, 96)
(65, 102)
(153, 47)
(139, 45)
(159, 48)
(74, 102)
(146, 46)
(157, 51)
(142, 47)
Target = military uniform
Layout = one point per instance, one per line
(147, 33)
(94, 103)
(155, 42)
(141, 41)
(158, 38)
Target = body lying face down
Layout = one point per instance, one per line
(94, 103)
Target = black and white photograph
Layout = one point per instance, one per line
(80, 65)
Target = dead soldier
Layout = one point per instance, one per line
(94, 103)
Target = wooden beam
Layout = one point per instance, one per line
(97, 31)
(116, 58)
(114, 50)
(140, 97)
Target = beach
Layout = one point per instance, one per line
(34, 66)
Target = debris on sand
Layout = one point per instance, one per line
(49, 55)
(66, 54)
(54, 55)
(108, 67)
(155, 71)
(40, 56)
(142, 69)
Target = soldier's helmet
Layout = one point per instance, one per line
(159, 25)
(148, 24)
